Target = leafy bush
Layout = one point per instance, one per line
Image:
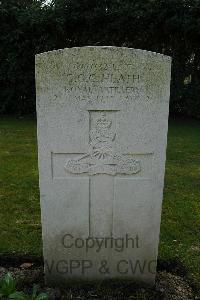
(171, 27)
(8, 290)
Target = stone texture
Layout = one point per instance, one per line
(102, 133)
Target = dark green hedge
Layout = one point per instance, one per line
(171, 27)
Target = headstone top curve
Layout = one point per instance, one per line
(144, 52)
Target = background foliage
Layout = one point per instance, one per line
(29, 27)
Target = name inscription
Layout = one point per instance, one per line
(114, 78)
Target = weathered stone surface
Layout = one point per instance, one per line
(102, 133)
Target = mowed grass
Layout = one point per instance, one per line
(20, 228)
(180, 227)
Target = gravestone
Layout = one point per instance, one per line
(102, 116)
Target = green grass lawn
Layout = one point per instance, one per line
(20, 228)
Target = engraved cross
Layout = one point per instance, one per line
(103, 164)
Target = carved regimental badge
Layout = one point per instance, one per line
(101, 157)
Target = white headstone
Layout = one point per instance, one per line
(102, 134)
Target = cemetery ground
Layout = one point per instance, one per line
(20, 228)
